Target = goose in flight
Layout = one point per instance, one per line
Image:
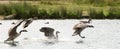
(80, 27)
(13, 34)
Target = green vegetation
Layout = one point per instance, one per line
(62, 9)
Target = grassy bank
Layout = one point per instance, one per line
(59, 10)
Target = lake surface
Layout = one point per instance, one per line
(104, 35)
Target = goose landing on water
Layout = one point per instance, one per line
(13, 34)
(80, 27)
(49, 32)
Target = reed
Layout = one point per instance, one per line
(57, 10)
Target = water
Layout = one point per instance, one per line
(104, 35)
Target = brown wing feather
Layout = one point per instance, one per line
(28, 22)
(12, 32)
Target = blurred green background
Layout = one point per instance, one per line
(61, 9)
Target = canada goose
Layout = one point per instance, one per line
(13, 33)
(28, 22)
(49, 32)
(80, 27)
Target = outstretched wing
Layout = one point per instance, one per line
(47, 31)
(12, 32)
(28, 22)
